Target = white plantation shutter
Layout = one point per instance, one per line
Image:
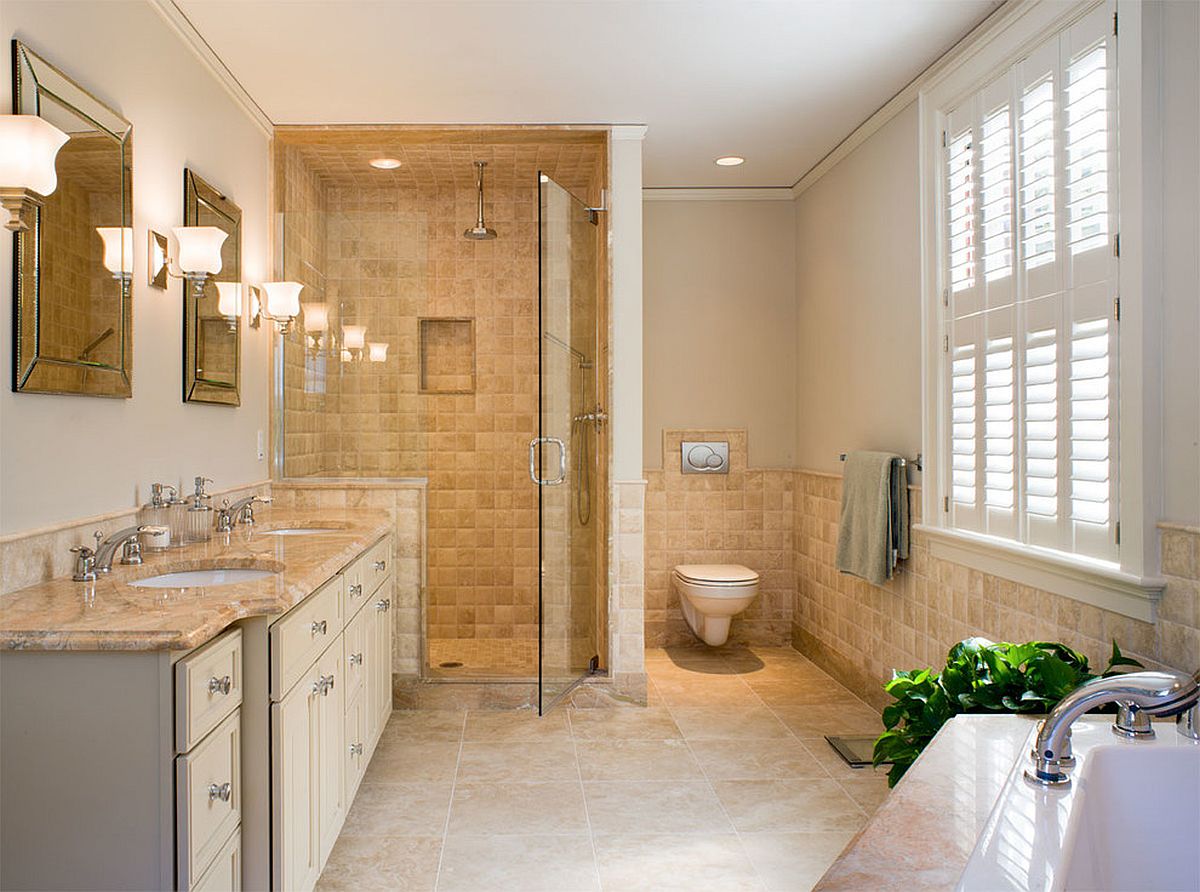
(1030, 272)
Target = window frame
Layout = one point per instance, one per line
(1129, 586)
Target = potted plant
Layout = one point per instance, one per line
(979, 677)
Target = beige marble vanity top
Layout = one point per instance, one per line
(923, 834)
(111, 614)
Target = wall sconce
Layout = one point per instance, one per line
(229, 302)
(354, 340)
(198, 256)
(28, 147)
(118, 251)
(316, 323)
(282, 303)
(377, 351)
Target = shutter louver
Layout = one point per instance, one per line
(1032, 359)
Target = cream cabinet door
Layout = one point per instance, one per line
(357, 745)
(295, 857)
(328, 743)
(379, 655)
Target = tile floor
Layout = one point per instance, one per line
(722, 783)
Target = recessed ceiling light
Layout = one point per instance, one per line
(385, 163)
(730, 161)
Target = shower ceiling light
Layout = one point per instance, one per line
(385, 163)
(729, 161)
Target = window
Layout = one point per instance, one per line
(1028, 401)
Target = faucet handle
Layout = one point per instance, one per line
(1132, 722)
(85, 563)
(1188, 722)
(225, 519)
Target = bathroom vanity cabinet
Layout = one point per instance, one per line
(231, 765)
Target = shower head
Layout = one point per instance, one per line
(480, 231)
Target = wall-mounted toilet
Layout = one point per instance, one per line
(710, 595)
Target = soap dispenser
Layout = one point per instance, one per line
(157, 514)
(200, 513)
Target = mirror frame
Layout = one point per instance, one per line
(196, 388)
(28, 248)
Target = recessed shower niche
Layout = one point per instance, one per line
(495, 350)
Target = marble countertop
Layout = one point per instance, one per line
(925, 831)
(111, 614)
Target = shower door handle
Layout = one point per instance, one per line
(562, 461)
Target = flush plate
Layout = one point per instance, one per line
(704, 458)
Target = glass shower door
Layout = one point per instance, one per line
(564, 459)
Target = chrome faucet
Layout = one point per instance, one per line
(241, 511)
(90, 561)
(1139, 695)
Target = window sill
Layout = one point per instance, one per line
(1097, 583)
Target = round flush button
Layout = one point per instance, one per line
(703, 457)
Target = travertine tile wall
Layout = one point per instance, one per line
(859, 632)
(744, 517)
(627, 594)
(405, 501)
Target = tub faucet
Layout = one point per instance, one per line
(241, 511)
(1137, 693)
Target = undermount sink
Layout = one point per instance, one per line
(203, 578)
(300, 531)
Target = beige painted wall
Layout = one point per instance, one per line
(64, 457)
(720, 317)
(858, 292)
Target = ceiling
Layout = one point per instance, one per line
(780, 83)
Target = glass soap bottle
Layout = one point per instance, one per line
(158, 514)
(200, 513)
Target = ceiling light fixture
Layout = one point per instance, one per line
(729, 161)
(385, 163)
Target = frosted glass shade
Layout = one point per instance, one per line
(199, 249)
(354, 337)
(229, 299)
(377, 351)
(283, 299)
(316, 318)
(28, 147)
(118, 249)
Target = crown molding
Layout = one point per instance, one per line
(975, 40)
(719, 193)
(629, 131)
(182, 26)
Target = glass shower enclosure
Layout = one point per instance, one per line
(565, 459)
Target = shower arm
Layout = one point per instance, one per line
(479, 224)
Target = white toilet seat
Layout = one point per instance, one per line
(710, 595)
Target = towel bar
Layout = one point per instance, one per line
(915, 462)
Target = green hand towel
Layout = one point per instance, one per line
(873, 532)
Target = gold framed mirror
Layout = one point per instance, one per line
(72, 314)
(212, 319)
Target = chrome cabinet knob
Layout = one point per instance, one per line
(381, 566)
(220, 791)
(356, 659)
(383, 604)
(320, 626)
(356, 749)
(356, 590)
(323, 685)
(221, 685)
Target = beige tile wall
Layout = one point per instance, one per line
(744, 517)
(859, 632)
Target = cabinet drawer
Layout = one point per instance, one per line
(225, 873)
(357, 658)
(357, 589)
(208, 686)
(377, 564)
(208, 798)
(303, 634)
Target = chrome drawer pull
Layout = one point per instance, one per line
(319, 626)
(221, 685)
(384, 604)
(356, 749)
(220, 791)
(323, 685)
(381, 566)
(356, 659)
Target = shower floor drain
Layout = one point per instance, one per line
(450, 664)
